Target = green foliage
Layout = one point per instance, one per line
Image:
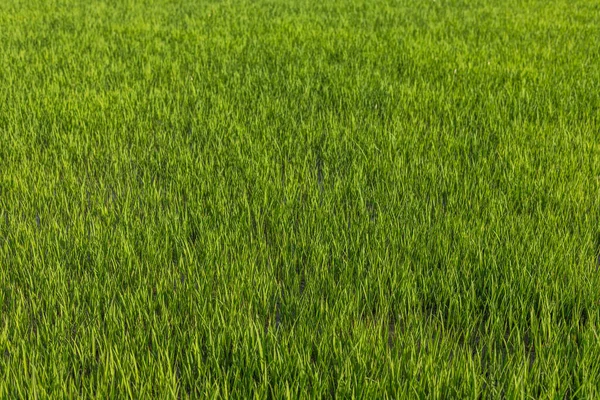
(284, 199)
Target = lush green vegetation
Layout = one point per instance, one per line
(300, 198)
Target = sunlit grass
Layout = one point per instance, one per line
(299, 198)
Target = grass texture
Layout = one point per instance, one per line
(292, 199)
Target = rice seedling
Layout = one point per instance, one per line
(352, 198)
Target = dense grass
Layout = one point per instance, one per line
(300, 198)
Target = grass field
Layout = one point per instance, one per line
(292, 199)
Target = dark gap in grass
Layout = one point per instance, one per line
(277, 314)
(444, 201)
(253, 225)
(302, 283)
(283, 180)
(301, 263)
(391, 331)
(333, 266)
(267, 323)
(204, 351)
(6, 300)
(5, 229)
(193, 234)
(184, 201)
(430, 309)
(332, 388)
(274, 269)
(177, 368)
(368, 266)
(33, 319)
(597, 252)
(113, 194)
(88, 201)
(372, 209)
(583, 318)
(475, 339)
(293, 249)
(267, 227)
(174, 255)
(320, 178)
(508, 347)
(314, 354)
(228, 356)
(529, 347)
(141, 210)
(484, 362)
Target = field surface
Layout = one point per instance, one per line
(292, 199)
